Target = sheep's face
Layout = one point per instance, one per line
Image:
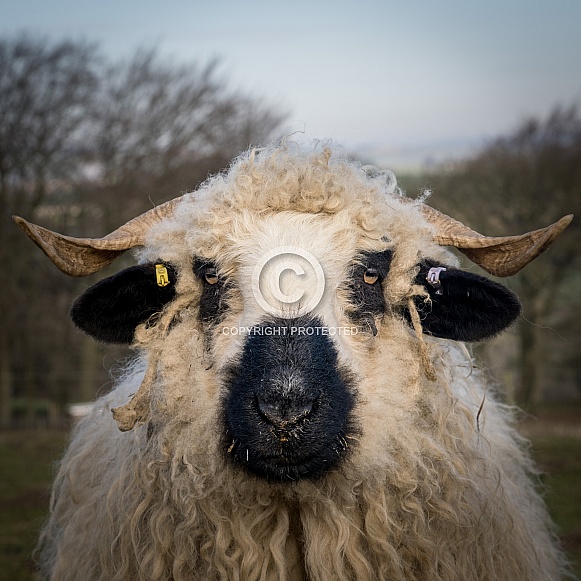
(277, 335)
(299, 330)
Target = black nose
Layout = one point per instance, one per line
(284, 414)
(287, 403)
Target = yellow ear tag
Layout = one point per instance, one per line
(161, 275)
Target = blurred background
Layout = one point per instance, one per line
(107, 108)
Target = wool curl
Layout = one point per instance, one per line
(288, 177)
(425, 493)
(441, 509)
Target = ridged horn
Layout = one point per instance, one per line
(500, 256)
(84, 256)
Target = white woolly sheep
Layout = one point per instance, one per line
(302, 405)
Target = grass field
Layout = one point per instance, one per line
(27, 459)
(26, 468)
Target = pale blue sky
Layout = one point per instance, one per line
(413, 78)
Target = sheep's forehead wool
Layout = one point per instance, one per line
(311, 199)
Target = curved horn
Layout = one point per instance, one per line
(84, 256)
(500, 256)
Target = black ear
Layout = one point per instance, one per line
(111, 309)
(463, 306)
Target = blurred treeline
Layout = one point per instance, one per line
(517, 183)
(87, 143)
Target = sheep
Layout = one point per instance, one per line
(302, 404)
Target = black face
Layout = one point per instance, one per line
(287, 405)
(365, 283)
(212, 301)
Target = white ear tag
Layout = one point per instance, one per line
(433, 278)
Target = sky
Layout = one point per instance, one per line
(400, 82)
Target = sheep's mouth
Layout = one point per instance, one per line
(284, 469)
(288, 407)
(289, 464)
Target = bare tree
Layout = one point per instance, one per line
(522, 182)
(44, 91)
(161, 128)
(84, 145)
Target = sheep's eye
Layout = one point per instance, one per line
(211, 276)
(212, 303)
(366, 299)
(371, 276)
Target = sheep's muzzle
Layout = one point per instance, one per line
(288, 404)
